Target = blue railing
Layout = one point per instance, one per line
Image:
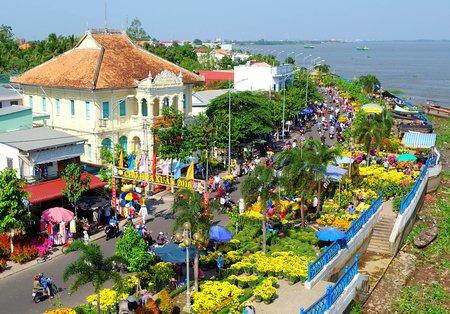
(365, 216)
(333, 291)
(329, 253)
(410, 196)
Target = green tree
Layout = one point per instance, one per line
(322, 68)
(369, 83)
(136, 32)
(172, 140)
(197, 42)
(12, 194)
(297, 176)
(75, 185)
(6, 33)
(259, 183)
(368, 134)
(225, 63)
(289, 60)
(91, 267)
(188, 207)
(319, 157)
(250, 116)
(386, 120)
(133, 250)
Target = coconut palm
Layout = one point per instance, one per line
(188, 207)
(386, 120)
(370, 134)
(296, 174)
(91, 267)
(369, 83)
(319, 157)
(259, 184)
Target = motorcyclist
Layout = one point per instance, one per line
(45, 283)
(161, 239)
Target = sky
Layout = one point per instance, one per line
(236, 19)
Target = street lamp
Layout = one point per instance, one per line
(229, 122)
(186, 238)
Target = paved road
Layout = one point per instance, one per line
(16, 289)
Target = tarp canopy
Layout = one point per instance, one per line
(172, 253)
(343, 160)
(419, 140)
(372, 108)
(335, 173)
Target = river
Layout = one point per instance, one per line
(420, 69)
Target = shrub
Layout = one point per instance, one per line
(62, 310)
(162, 272)
(150, 307)
(108, 298)
(23, 254)
(2, 265)
(5, 245)
(134, 250)
(165, 302)
(85, 309)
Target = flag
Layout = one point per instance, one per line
(131, 161)
(325, 182)
(177, 170)
(190, 172)
(165, 167)
(143, 164)
(121, 159)
(154, 165)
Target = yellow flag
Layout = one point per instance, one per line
(190, 172)
(121, 160)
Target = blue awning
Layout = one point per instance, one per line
(419, 140)
(335, 173)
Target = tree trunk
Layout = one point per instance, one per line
(302, 209)
(196, 268)
(264, 229)
(319, 192)
(98, 303)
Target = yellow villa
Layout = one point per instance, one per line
(106, 90)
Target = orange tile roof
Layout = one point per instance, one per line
(122, 64)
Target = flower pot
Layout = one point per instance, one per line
(257, 299)
(268, 301)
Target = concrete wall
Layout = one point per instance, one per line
(434, 178)
(346, 297)
(405, 221)
(357, 245)
(9, 152)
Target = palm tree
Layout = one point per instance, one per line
(188, 206)
(369, 83)
(319, 157)
(259, 183)
(386, 120)
(91, 267)
(370, 134)
(296, 175)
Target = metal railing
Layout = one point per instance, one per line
(333, 291)
(329, 253)
(410, 196)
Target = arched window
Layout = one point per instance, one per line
(107, 143)
(144, 107)
(166, 102)
(123, 141)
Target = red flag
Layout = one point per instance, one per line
(154, 165)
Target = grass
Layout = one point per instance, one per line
(419, 299)
(396, 92)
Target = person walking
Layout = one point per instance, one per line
(219, 262)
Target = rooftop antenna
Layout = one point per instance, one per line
(106, 17)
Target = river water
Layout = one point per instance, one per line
(420, 69)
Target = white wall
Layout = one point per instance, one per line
(9, 152)
(252, 78)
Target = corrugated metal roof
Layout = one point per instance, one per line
(13, 109)
(9, 94)
(38, 138)
(419, 140)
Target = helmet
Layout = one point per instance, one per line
(161, 233)
(40, 275)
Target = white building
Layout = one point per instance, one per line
(9, 97)
(256, 75)
(201, 99)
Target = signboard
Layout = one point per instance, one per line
(158, 179)
(113, 188)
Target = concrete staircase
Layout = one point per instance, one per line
(379, 242)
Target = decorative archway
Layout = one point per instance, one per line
(156, 107)
(123, 141)
(136, 144)
(144, 107)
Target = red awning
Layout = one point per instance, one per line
(49, 190)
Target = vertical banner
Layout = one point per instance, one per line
(113, 188)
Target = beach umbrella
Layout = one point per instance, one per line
(372, 108)
(220, 234)
(57, 215)
(330, 234)
(406, 157)
(130, 196)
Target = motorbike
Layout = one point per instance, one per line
(325, 125)
(111, 232)
(332, 132)
(40, 295)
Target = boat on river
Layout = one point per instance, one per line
(365, 48)
(436, 110)
(309, 46)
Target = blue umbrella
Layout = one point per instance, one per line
(172, 253)
(220, 234)
(330, 234)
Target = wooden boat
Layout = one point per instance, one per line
(426, 237)
(365, 48)
(436, 110)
